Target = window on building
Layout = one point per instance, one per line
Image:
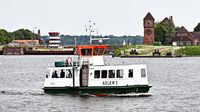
(104, 74)
(97, 74)
(120, 73)
(143, 72)
(111, 74)
(130, 73)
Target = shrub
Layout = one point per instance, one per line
(189, 51)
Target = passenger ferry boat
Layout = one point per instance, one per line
(90, 75)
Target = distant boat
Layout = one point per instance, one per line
(89, 75)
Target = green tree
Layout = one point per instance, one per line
(197, 28)
(177, 28)
(164, 31)
(23, 34)
(4, 36)
(159, 33)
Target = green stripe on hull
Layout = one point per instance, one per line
(99, 90)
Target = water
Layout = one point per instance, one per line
(175, 81)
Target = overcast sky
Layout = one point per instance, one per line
(117, 17)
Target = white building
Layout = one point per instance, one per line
(54, 39)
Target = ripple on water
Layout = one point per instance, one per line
(22, 92)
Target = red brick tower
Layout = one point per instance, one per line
(148, 29)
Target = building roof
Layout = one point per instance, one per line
(168, 19)
(188, 37)
(182, 29)
(54, 32)
(26, 41)
(149, 17)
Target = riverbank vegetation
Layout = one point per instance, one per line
(189, 51)
(144, 50)
(21, 34)
(1, 47)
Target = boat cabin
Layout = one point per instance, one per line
(97, 76)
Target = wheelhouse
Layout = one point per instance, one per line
(94, 50)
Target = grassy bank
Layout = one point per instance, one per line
(189, 51)
(1, 47)
(144, 50)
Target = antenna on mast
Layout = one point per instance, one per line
(92, 31)
(90, 28)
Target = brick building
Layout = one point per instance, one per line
(148, 29)
(26, 42)
(184, 37)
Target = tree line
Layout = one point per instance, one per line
(25, 34)
(84, 40)
(164, 32)
(21, 34)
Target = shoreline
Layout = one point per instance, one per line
(150, 56)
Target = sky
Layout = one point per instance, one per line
(111, 17)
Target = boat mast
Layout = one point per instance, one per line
(91, 29)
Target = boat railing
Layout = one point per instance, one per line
(66, 64)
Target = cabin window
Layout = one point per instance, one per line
(111, 74)
(100, 52)
(69, 73)
(97, 74)
(62, 73)
(130, 73)
(86, 51)
(96, 51)
(54, 74)
(104, 74)
(120, 73)
(143, 72)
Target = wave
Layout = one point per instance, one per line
(41, 92)
(118, 95)
(132, 95)
(22, 92)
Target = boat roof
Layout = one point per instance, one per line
(118, 66)
(58, 68)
